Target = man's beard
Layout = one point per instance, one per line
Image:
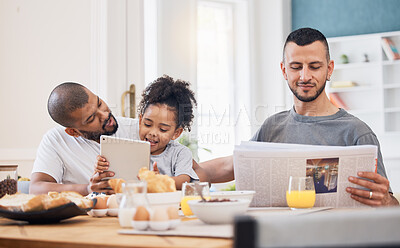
(310, 98)
(96, 135)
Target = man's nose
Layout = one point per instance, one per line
(305, 74)
(103, 115)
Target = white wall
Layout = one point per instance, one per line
(44, 43)
(271, 23)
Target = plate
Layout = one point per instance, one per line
(52, 215)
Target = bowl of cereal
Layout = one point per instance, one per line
(218, 211)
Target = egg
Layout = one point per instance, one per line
(112, 202)
(159, 214)
(141, 214)
(172, 213)
(101, 202)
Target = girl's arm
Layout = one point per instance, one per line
(179, 180)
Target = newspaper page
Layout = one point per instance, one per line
(266, 168)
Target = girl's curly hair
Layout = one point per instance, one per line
(175, 94)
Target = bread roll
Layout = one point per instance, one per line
(15, 201)
(35, 204)
(116, 184)
(157, 183)
(30, 202)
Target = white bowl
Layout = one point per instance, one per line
(218, 212)
(233, 195)
(165, 199)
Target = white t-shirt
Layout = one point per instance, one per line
(72, 160)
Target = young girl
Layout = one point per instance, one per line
(165, 110)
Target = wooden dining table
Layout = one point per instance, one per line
(86, 231)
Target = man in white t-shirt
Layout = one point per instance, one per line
(67, 154)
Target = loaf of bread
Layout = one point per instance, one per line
(14, 202)
(30, 202)
(77, 198)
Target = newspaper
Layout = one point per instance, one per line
(266, 168)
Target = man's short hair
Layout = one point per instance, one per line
(65, 99)
(306, 36)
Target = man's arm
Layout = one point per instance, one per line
(42, 183)
(219, 170)
(201, 173)
(378, 193)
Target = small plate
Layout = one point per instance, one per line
(52, 215)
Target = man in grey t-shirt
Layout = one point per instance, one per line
(306, 67)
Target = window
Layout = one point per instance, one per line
(222, 77)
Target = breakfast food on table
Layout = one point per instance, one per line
(8, 186)
(173, 213)
(30, 202)
(101, 202)
(157, 183)
(159, 214)
(112, 202)
(14, 202)
(141, 214)
(220, 200)
(116, 184)
(23, 179)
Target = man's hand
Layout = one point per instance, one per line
(378, 193)
(96, 184)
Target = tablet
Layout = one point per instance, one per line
(125, 156)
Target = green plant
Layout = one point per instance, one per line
(192, 144)
(230, 188)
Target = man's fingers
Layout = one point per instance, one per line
(100, 175)
(375, 195)
(373, 176)
(370, 202)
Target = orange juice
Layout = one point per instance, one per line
(185, 206)
(300, 199)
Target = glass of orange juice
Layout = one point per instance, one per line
(300, 193)
(189, 193)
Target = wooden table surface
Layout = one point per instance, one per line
(86, 231)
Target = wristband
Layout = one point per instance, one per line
(89, 190)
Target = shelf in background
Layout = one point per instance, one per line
(352, 89)
(363, 111)
(391, 86)
(357, 65)
(392, 110)
(392, 133)
(391, 62)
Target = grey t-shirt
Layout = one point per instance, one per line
(175, 160)
(339, 129)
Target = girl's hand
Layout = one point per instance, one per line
(101, 165)
(155, 168)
